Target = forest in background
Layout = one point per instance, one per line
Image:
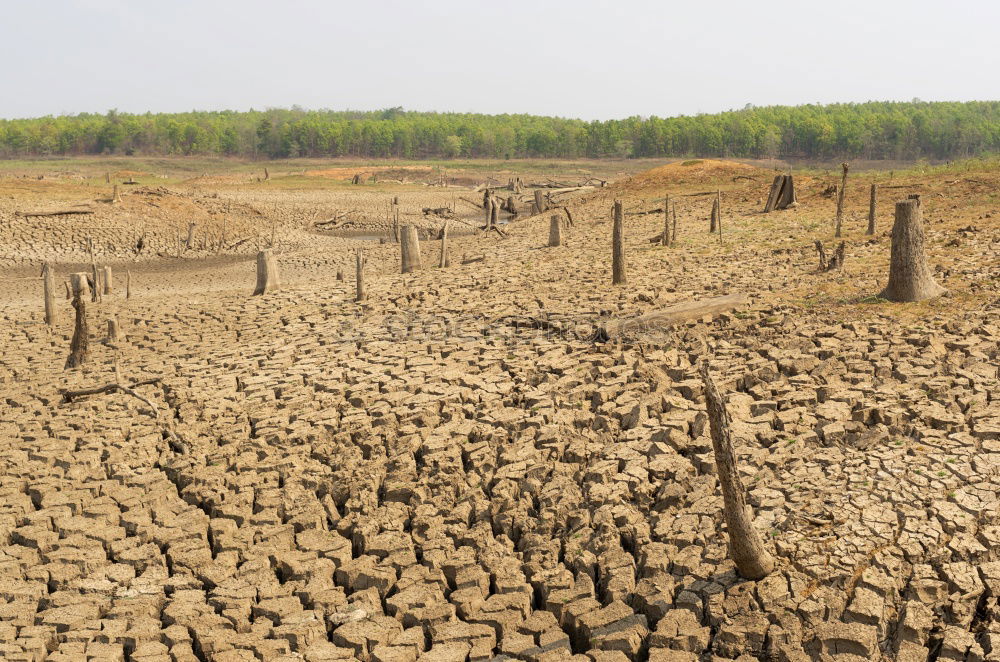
(873, 130)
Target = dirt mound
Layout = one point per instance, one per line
(694, 171)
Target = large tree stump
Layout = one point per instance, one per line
(746, 548)
(49, 290)
(840, 199)
(409, 248)
(872, 207)
(910, 278)
(444, 260)
(268, 279)
(539, 201)
(555, 230)
(618, 245)
(359, 259)
(78, 348)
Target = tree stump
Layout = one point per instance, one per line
(114, 331)
(715, 216)
(106, 281)
(116, 195)
(872, 207)
(539, 201)
(555, 230)
(409, 248)
(78, 348)
(840, 199)
(128, 284)
(494, 214)
(673, 232)
(746, 548)
(618, 246)
(665, 237)
(359, 259)
(910, 278)
(444, 261)
(267, 273)
(49, 289)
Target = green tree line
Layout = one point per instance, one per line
(874, 130)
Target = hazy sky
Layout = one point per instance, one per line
(595, 59)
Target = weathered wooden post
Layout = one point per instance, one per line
(673, 233)
(910, 278)
(93, 270)
(555, 231)
(267, 273)
(872, 206)
(190, 237)
(49, 288)
(106, 281)
(79, 344)
(752, 560)
(665, 239)
(718, 206)
(840, 199)
(128, 284)
(359, 258)
(494, 215)
(116, 195)
(539, 201)
(618, 246)
(715, 216)
(409, 248)
(444, 261)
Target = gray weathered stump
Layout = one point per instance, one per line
(106, 281)
(114, 331)
(444, 261)
(752, 560)
(409, 248)
(665, 238)
(910, 278)
(268, 279)
(539, 201)
(555, 230)
(872, 207)
(49, 288)
(840, 199)
(618, 246)
(359, 259)
(78, 348)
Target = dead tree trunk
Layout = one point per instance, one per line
(718, 206)
(772, 196)
(665, 238)
(106, 281)
(409, 248)
(267, 273)
(539, 201)
(872, 207)
(752, 560)
(49, 287)
(715, 216)
(128, 284)
(822, 255)
(910, 278)
(444, 261)
(673, 233)
(190, 237)
(81, 335)
(555, 231)
(96, 290)
(359, 259)
(114, 331)
(840, 199)
(618, 246)
(494, 215)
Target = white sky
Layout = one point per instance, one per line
(594, 59)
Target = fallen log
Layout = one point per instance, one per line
(682, 312)
(57, 212)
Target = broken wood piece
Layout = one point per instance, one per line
(682, 312)
(69, 395)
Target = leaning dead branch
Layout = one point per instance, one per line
(69, 396)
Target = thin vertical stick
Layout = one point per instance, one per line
(872, 207)
(840, 199)
(618, 246)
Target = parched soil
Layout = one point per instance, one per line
(457, 469)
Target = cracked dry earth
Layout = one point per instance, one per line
(430, 476)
